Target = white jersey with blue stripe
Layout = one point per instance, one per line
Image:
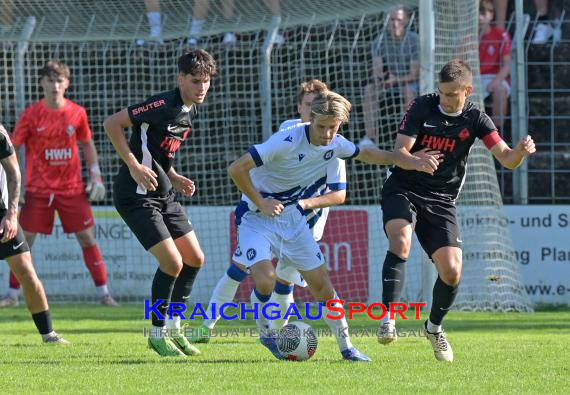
(290, 168)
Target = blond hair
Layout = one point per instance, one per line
(331, 104)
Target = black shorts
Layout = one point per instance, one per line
(434, 220)
(153, 219)
(17, 245)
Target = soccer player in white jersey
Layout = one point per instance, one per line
(277, 178)
(286, 276)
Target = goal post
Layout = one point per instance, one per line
(256, 90)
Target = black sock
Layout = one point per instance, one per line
(162, 286)
(393, 276)
(183, 284)
(43, 322)
(542, 18)
(443, 297)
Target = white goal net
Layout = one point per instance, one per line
(334, 41)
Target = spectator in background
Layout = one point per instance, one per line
(50, 130)
(6, 16)
(501, 7)
(396, 70)
(495, 62)
(543, 30)
(154, 19)
(200, 13)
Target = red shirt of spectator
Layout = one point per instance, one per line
(493, 46)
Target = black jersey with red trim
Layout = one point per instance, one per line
(160, 125)
(453, 135)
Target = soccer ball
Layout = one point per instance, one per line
(297, 341)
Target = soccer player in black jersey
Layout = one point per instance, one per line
(144, 189)
(13, 246)
(413, 200)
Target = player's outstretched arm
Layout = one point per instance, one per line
(114, 127)
(375, 156)
(333, 198)
(513, 158)
(9, 224)
(239, 173)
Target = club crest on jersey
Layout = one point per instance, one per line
(70, 130)
(251, 253)
(464, 134)
(328, 154)
(301, 156)
(288, 138)
(238, 252)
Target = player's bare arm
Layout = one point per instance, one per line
(239, 173)
(513, 158)
(333, 198)
(180, 183)
(404, 159)
(9, 224)
(114, 127)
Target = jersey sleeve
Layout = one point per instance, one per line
(347, 149)
(274, 148)
(6, 148)
(487, 131)
(413, 118)
(22, 129)
(83, 131)
(336, 175)
(148, 111)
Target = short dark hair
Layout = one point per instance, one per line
(486, 5)
(199, 63)
(55, 68)
(456, 70)
(311, 86)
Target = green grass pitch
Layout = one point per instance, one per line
(494, 353)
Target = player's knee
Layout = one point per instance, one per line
(199, 259)
(400, 246)
(265, 285)
(452, 275)
(28, 278)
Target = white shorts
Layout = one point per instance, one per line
(286, 236)
(486, 80)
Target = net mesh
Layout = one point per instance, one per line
(333, 42)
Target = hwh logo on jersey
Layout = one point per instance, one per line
(439, 143)
(171, 144)
(58, 154)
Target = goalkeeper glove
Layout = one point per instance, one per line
(95, 188)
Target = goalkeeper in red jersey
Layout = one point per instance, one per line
(50, 130)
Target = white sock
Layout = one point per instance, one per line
(173, 323)
(156, 332)
(14, 293)
(387, 319)
(224, 292)
(284, 301)
(102, 290)
(154, 20)
(339, 328)
(196, 27)
(263, 324)
(433, 328)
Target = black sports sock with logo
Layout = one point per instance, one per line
(393, 276)
(443, 298)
